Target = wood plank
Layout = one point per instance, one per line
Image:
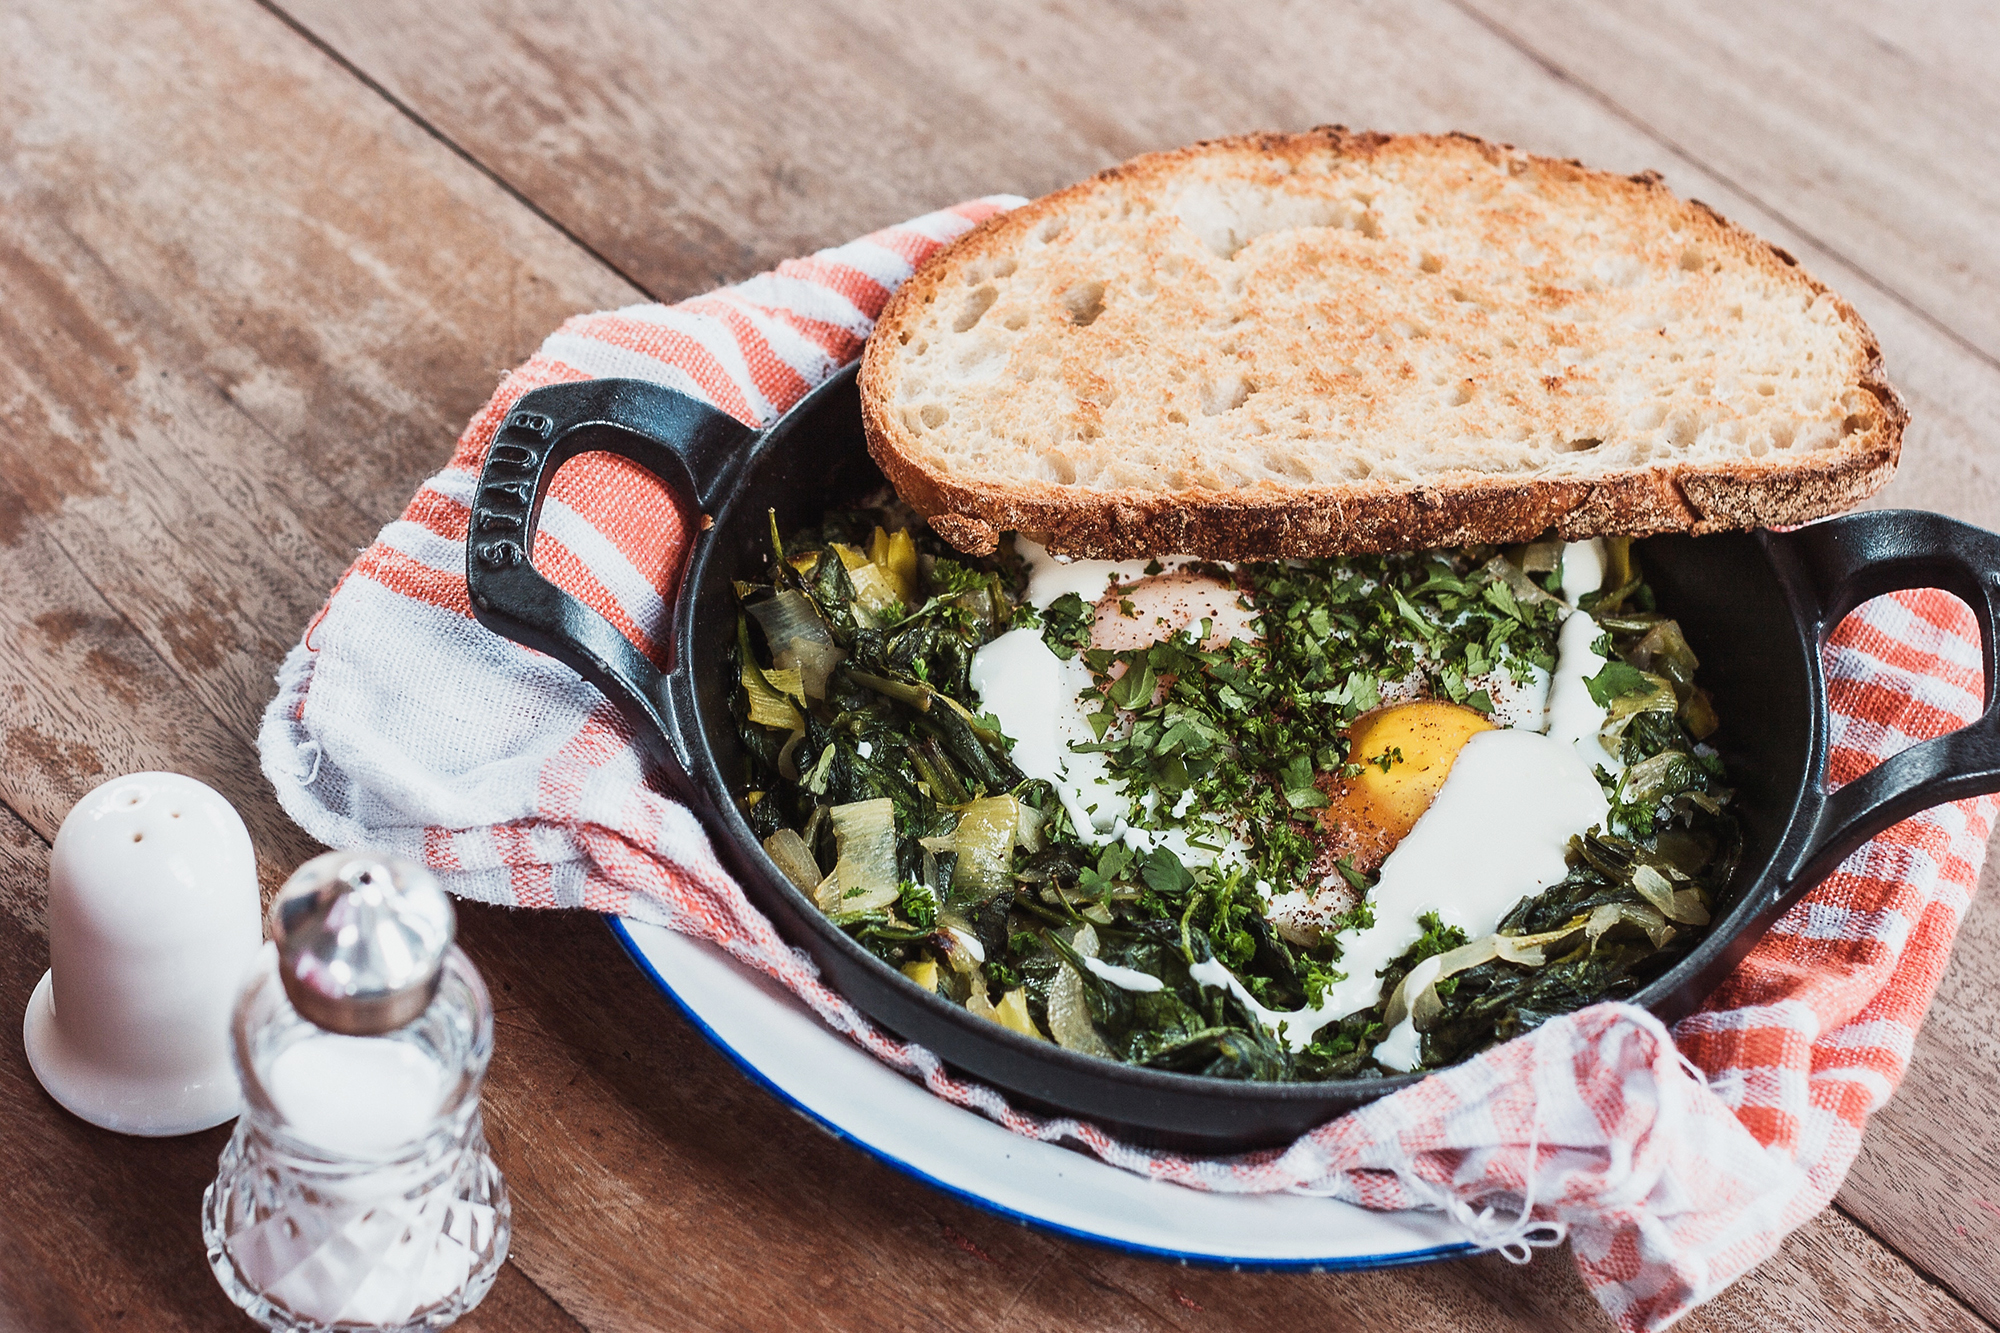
(1928, 1179)
(1832, 1274)
(656, 1186)
(23, 870)
(220, 255)
(249, 307)
(627, 1136)
(658, 126)
(90, 699)
(1869, 126)
(692, 145)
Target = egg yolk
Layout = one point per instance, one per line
(1405, 753)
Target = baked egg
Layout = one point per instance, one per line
(1397, 761)
(1464, 848)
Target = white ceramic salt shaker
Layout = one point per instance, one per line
(153, 924)
(357, 1192)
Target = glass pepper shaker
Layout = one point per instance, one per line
(357, 1192)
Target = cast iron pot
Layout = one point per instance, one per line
(1756, 607)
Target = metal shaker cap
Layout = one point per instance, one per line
(361, 937)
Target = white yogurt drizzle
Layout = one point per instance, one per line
(1050, 576)
(1573, 720)
(1033, 693)
(1574, 717)
(1125, 978)
(1496, 833)
(1582, 568)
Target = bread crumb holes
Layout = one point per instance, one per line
(975, 308)
(1084, 302)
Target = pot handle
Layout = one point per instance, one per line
(686, 443)
(1845, 562)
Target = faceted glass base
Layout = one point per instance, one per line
(303, 1245)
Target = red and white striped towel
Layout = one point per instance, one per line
(1673, 1162)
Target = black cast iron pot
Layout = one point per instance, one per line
(1757, 608)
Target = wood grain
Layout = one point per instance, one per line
(245, 305)
(636, 96)
(1928, 1179)
(234, 285)
(89, 699)
(224, 313)
(656, 1187)
(1869, 127)
(692, 146)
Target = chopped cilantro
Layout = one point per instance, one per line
(1617, 679)
(1437, 938)
(1226, 748)
(918, 903)
(1066, 625)
(1164, 874)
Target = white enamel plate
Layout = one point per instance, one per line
(784, 1046)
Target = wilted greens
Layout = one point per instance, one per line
(885, 794)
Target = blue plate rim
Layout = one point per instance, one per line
(1348, 1263)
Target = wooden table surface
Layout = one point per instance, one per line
(260, 261)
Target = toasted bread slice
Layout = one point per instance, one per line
(1322, 343)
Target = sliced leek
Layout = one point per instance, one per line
(1028, 836)
(799, 639)
(1654, 887)
(769, 707)
(1657, 697)
(865, 833)
(789, 851)
(1010, 1013)
(984, 841)
(1069, 1015)
(895, 554)
(873, 590)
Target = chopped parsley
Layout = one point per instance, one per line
(1229, 748)
(1066, 625)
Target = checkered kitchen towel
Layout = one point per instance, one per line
(1674, 1162)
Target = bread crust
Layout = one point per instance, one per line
(1450, 509)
